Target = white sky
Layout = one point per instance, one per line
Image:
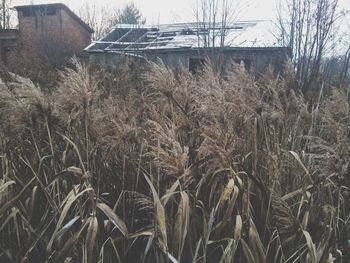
(171, 11)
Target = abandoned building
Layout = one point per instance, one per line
(188, 44)
(50, 31)
(8, 44)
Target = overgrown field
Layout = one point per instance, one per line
(157, 166)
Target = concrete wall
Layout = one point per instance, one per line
(260, 58)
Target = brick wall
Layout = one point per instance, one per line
(51, 36)
(78, 37)
(35, 30)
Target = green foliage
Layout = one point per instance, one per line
(130, 14)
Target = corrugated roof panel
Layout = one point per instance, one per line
(243, 34)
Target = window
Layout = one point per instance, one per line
(46, 11)
(247, 62)
(50, 11)
(28, 12)
(196, 65)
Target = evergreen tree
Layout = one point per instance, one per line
(130, 14)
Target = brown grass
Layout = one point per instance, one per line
(172, 167)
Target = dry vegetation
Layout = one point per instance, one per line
(167, 167)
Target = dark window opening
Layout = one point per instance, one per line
(51, 11)
(247, 63)
(196, 65)
(48, 11)
(28, 12)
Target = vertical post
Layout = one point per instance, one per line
(4, 13)
(1, 52)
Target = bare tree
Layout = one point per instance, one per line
(308, 27)
(344, 72)
(345, 68)
(102, 19)
(213, 18)
(5, 14)
(99, 18)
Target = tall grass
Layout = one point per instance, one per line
(173, 168)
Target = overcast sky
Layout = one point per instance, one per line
(170, 11)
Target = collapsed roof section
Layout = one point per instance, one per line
(136, 39)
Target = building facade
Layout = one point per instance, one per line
(51, 32)
(189, 44)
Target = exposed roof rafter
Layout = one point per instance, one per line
(140, 38)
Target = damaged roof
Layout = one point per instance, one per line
(131, 39)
